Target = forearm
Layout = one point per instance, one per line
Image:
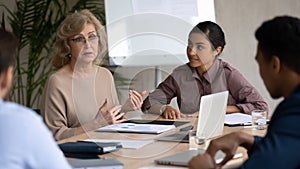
(160, 96)
(245, 140)
(156, 108)
(232, 109)
(244, 95)
(126, 107)
(247, 108)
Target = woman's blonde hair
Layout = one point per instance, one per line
(72, 25)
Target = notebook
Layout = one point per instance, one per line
(211, 118)
(182, 158)
(88, 150)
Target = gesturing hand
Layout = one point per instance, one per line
(229, 145)
(136, 99)
(112, 115)
(202, 161)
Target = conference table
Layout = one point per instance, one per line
(145, 156)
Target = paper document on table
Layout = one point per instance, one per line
(137, 128)
(238, 119)
(127, 144)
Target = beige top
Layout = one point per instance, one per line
(69, 102)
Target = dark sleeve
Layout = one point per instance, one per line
(246, 96)
(163, 94)
(257, 139)
(279, 148)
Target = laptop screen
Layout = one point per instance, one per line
(210, 121)
(212, 114)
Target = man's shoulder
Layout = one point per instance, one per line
(288, 111)
(20, 122)
(14, 106)
(16, 112)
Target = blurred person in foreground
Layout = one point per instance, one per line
(25, 142)
(279, 66)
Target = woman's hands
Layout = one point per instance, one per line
(104, 117)
(169, 112)
(111, 116)
(114, 115)
(136, 99)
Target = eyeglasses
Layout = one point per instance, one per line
(92, 39)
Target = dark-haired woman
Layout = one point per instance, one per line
(204, 74)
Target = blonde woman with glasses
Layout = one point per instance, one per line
(81, 95)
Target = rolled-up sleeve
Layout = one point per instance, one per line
(245, 96)
(162, 95)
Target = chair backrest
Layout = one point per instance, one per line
(38, 111)
(147, 79)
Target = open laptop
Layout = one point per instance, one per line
(211, 118)
(182, 158)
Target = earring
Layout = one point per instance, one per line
(69, 55)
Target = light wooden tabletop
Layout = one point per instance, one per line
(145, 156)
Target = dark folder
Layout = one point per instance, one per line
(86, 150)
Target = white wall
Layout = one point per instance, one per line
(240, 19)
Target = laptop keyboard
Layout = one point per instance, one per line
(181, 135)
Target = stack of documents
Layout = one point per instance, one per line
(238, 119)
(137, 128)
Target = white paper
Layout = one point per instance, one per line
(127, 144)
(238, 118)
(137, 128)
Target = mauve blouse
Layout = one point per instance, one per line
(186, 84)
